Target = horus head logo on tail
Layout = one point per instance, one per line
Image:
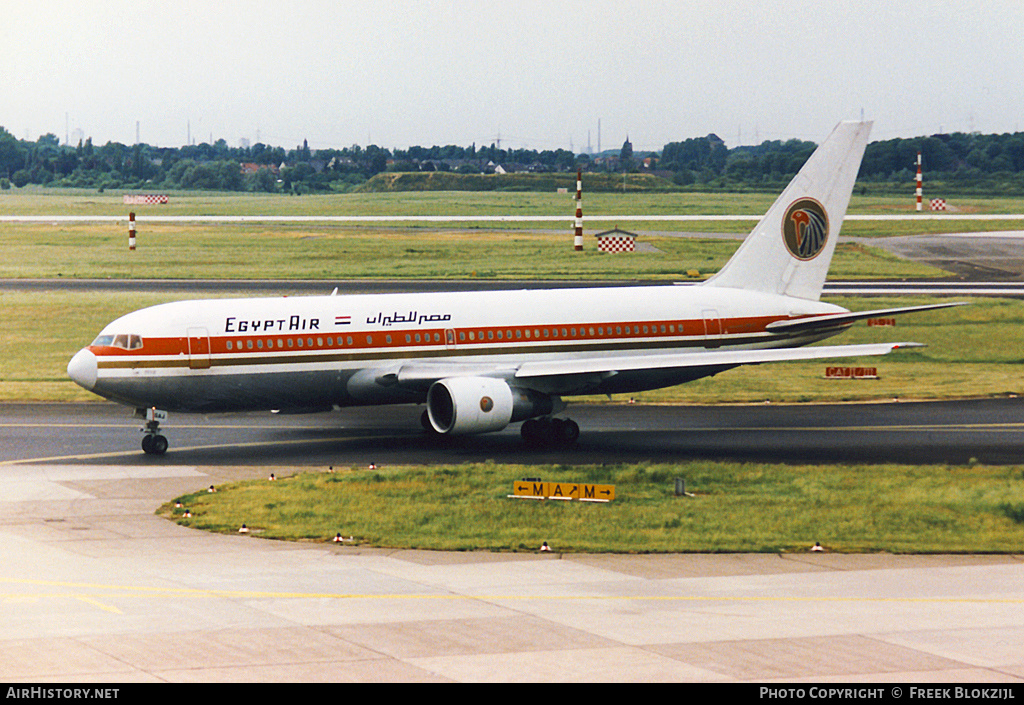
(805, 228)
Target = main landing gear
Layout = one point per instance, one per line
(548, 432)
(153, 443)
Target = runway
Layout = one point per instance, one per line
(264, 287)
(954, 432)
(98, 588)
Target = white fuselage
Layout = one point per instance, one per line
(311, 353)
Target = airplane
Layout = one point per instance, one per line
(482, 360)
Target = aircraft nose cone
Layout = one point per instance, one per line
(82, 369)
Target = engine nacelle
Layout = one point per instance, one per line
(464, 405)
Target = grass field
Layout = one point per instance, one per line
(41, 201)
(747, 507)
(334, 252)
(40, 331)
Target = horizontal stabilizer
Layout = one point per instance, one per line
(723, 358)
(838, 320)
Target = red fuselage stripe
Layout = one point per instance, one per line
(499, 338)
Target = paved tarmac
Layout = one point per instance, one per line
(995, 256)
(990, 431)
(96, 587)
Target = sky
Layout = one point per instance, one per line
(534, 74)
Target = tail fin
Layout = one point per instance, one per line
(790, 250)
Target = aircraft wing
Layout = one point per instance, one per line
(839, 320)
(724, 358)
(423, 374)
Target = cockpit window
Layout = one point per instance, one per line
(123, 341)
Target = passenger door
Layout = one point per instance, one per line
(198, 348)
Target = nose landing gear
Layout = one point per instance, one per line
(153, 443)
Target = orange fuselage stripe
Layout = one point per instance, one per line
(476, 340)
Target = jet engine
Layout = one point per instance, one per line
(465, 405)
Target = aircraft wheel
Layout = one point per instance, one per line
(550, 433)
(154, 444)
(531, 432)
(567, 432)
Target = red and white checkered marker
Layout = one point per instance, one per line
(144, 199)
(578, 236)
(616, 243)
(938, 204)
(920, 190)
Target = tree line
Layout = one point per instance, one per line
(966, 163)
(992, 163)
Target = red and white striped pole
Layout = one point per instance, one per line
(578, 237)
(919, 189)
(131, 231)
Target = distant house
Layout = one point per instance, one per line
(252, 168)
